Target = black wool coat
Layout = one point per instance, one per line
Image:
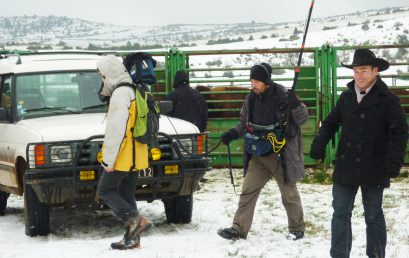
(189, 105)
(373, 139)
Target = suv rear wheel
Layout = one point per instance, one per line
(3, 202)
(179, 209)
(37, 214)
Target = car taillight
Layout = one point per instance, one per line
(39, 155)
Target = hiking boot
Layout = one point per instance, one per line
(125, 243)
(229, 233)
(129, 241)
(295, 235)
(134, 227)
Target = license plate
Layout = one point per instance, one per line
(144, 173)
(87, 175)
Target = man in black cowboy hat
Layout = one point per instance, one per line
(370, 151)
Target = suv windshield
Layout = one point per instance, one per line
(50, 94)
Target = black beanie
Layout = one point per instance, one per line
(261, 72)
(181, 78)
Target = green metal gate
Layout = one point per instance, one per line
(226, 85)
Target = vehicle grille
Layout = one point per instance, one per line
(63, 154)
(185, 144)
(89, 152)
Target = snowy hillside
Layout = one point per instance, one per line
(384, 26)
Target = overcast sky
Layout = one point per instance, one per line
(163, 12)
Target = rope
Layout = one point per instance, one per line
(275, 142)
(183, 148)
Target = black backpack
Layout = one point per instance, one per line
(140, 66)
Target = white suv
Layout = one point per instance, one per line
(51, 130)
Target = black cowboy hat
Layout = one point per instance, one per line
(365, 56)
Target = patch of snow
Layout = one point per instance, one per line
(79, 233)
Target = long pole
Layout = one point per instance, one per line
(307, 24)
(297, 70)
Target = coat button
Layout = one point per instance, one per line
(362, 115)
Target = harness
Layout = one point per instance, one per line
(260, 140)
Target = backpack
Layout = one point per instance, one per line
(147, 119)
(140, 66)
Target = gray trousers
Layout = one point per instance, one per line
(260, 171)
(117, 189)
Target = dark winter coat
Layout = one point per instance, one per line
(272, 106)
(373, 138)
(189, 105)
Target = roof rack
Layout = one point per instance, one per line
(4, 53)
(18, 53)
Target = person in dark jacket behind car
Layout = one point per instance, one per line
(370, 151)
(188, 103)
(268, 104)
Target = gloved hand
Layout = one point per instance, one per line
(229, 136)
(317, 152)
(392, 170)
(293, 100)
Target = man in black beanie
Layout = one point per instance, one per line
(188, 103)
(268, 105)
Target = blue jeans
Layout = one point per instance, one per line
(343, 204)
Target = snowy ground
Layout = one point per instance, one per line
(89, 233)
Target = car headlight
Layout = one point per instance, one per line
(185, 146)
(61, 154)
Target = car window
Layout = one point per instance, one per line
(57, 93)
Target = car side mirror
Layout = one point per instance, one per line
(4, 114)
(165, 106)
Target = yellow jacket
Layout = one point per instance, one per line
(120, 151)
(119, 142)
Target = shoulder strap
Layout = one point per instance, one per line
(126, 84)
(250, 107)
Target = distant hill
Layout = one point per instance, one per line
(383, 26)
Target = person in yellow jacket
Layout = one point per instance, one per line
(122, 155)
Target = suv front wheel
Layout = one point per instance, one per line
(179, 209)
(37, 214)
